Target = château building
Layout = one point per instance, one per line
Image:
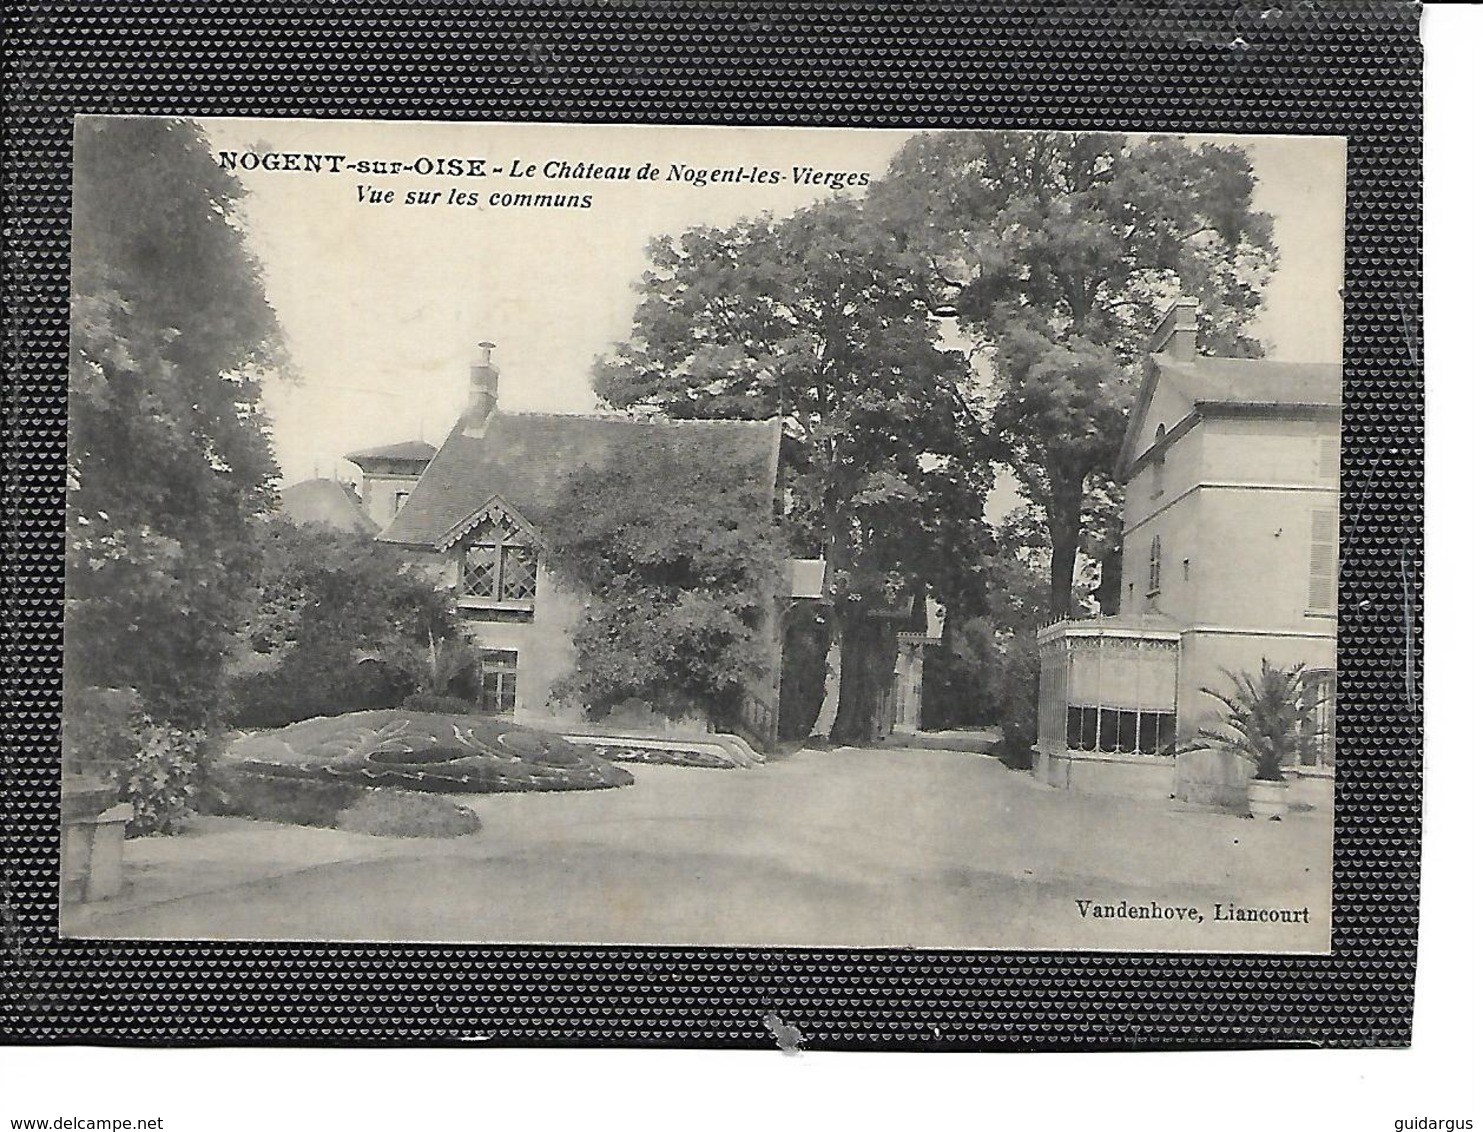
(1230, 541)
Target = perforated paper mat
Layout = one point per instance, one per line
(1350, 70)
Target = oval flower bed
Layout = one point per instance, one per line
(424, 751)
(321, 771)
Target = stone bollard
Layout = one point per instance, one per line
(1213, 780)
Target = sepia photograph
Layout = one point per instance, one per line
(702, 536)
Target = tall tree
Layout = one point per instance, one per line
(169, 455)
(1058, 252)
(822, 321)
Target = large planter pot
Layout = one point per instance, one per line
(1266, 799)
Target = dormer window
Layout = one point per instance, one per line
(499, 564)
(500, 570)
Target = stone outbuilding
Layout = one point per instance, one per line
(476, 513)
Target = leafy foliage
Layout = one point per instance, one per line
(821, 320)
(680, 560)
(100, 727)
(341, 623)
(107, 735)
(431, 701)
(1059, 252)
(158, 776)
(1264, 715)
(169, 458)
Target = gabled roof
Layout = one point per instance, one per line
(1216, 385)
(1248, 381)
(325, 501)
(495, 510)
(411, 451)
(525, 459)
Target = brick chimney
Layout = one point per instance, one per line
(1175, 333)
(483, 392)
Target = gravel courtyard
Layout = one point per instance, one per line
(845, 848)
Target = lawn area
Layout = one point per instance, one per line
(845, 848)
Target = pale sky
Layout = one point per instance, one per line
(382, 304)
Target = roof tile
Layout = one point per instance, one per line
(1253, 381)
(527, 458)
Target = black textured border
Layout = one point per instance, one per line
(1286, 66)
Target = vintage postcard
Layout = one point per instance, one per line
(699, 536)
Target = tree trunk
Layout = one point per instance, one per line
(801, 689)
(867, 670)
(1065, 542)
(823, 726)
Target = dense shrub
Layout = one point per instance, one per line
(100, 727)
(397, 813)
(677, 559)
(312, 683)
(986, 676)
(156, 767)
(159, 778)
(432, 702)
(342, 623)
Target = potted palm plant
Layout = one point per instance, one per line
(1264, 715)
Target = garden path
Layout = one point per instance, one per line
(839, 848)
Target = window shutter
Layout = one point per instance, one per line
(1155, 554)
(1328, 459)
(1323, 561)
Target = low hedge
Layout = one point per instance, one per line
(250, 792)
(300, 799)
(432, 702)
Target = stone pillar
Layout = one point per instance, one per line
(93, 824)
(906, 709)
